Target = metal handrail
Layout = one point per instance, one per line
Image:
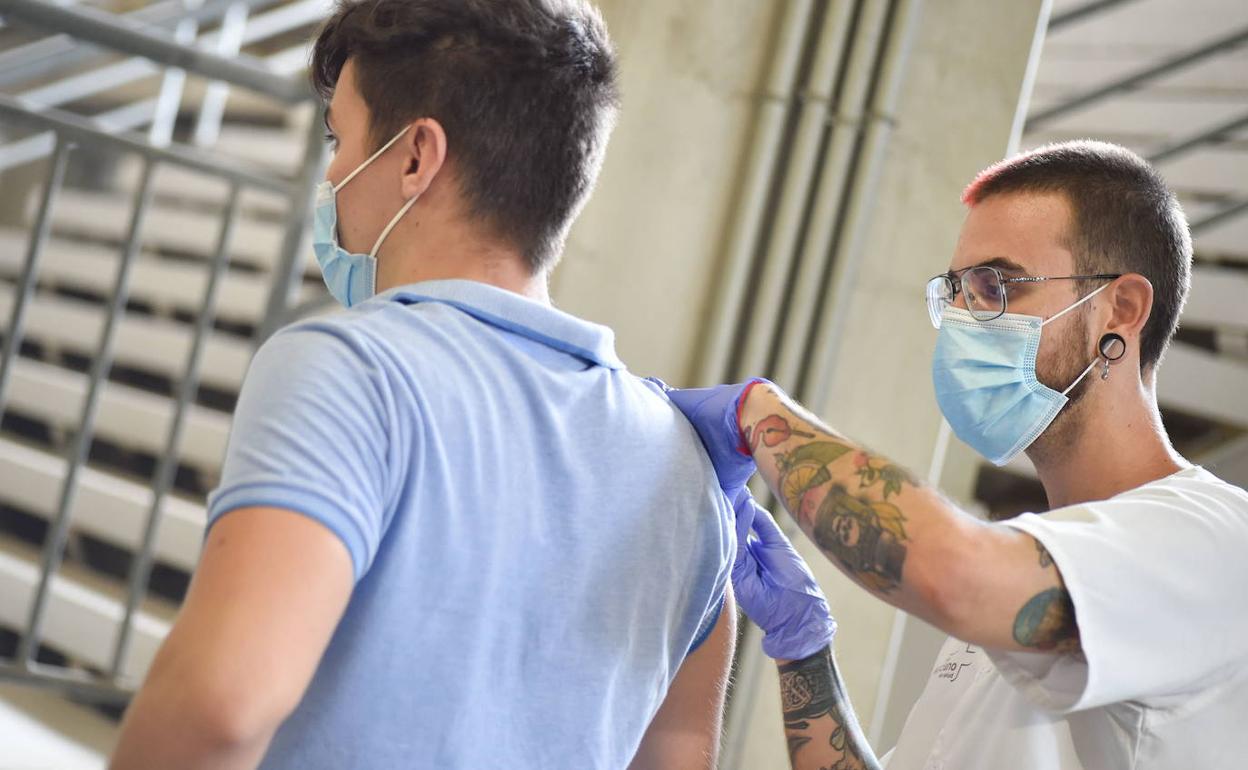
(129, 116)
(125, 36)
(78, 128)
(76, 133)
(56, 52)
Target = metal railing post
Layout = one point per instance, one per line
(212, 108)
(141, 566)
(169, 99)
(290, 266)
(30, 269)
(58, 531)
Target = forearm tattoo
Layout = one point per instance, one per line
(813, 701)
(840, 494)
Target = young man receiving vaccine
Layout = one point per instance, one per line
(1110, 633)
(452, 531)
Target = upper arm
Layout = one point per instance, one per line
(270, 588)
(998, 587)
(1152, 576)
(684, 734)
(269, 591)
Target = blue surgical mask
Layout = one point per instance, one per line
(351, 278)
(985, 378)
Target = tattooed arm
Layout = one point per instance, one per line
(903, 541)
(819, 724)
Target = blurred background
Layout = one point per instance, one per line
(783, 180)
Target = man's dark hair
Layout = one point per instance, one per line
(1124, 220)
(525, 90)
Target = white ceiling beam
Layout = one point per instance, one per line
(1226, 239)
(1162, 25)
(1229, 461)
(1205, 384)
(1137, 115)
(1219, 298)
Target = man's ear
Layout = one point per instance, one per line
(1130, 300)
(425, 146)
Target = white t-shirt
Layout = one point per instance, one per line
(1159, 580)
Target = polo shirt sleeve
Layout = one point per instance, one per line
(1157, 580)
(310, 435)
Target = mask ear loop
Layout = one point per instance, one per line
(1085, 298)
(1079, 378)
(393, 222)
(371, 158)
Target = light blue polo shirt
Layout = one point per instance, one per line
(538, 537)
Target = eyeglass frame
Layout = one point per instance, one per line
(954, 277)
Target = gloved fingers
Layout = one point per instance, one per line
(768, 531)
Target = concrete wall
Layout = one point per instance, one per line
(643, 256)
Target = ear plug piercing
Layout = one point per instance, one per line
(1112, 347)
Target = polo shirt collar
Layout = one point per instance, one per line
(520, 315)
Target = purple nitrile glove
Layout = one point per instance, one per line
(714, 413)
(776, 589)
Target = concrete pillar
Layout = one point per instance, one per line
(642, 257)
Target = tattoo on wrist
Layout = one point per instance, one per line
(809, 693)
(806, 689)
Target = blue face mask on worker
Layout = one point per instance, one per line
(985, 378)
(351, 278)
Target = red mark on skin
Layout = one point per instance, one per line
(744, 446)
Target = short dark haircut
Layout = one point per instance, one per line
(1124, 220)
(525, 90)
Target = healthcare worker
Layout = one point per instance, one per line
(452, 531)
(1110, 633)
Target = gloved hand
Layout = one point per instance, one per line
(776, 589)
(714, 414)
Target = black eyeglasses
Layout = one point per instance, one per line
(984, 289)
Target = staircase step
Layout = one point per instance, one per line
(172, 182)
(83, 611)
(105, 216)
(108, 507)
(129, 417)
(143, 342)
(162, 283)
